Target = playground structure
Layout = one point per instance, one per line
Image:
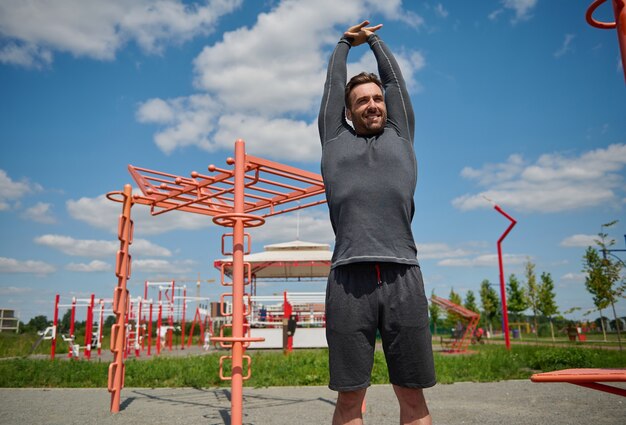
(460, 343)
(95, 313)
(172, 300)
(230, 197)
(138, 323)
(619, 10)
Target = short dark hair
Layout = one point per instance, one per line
(362, 78)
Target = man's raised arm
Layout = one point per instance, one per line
(399, 108)
(330, 120)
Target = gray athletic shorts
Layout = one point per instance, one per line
(362, 298)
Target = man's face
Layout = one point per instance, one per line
(368, 111)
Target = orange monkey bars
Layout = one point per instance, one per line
(459, 344)
(619, 9)
(229, 196)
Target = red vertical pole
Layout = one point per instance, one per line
(238, 287)
(170, 332)
(150, 329)
(89, 328)
(159, 324)
(505, 313)
(100, 327)
(182, 335)
(72, 317)
(55, 324)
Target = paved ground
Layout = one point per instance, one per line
(509, 402)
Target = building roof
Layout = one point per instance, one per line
(287, 260)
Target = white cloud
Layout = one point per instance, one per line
(32, 30)
(522, 9)
(98, 248)
(189, 121)
(157, 111)
(13, 290)
(166, 267)
(486, 260)
(93, 266)
(554, 183)
(278, 138)
(579, 241)
(268, 76)
(565, 47)
(493, 16)
(441, 11)
(428, 251)
(11, 265)
(102, 213)
(11, 191)
(573, 277)
(40, 213)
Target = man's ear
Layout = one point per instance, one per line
(348, 114)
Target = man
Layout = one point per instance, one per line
(375, 282)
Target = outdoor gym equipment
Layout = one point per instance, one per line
(505, 312)
(619, 9)
(229, 196)
(461, 342)
(93, 336)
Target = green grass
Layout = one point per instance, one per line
(301, 368)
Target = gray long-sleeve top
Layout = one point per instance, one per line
(370, 181)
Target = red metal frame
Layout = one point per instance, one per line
(505, 312)
(459, 345)
(120, 297)
(254, 185)
(619, 9)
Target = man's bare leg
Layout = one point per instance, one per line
(413, 408)
(348, 408)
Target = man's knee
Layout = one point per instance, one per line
(351, 399)
(410, 397)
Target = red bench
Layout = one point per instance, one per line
(590, 378)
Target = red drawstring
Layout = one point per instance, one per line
(380, 282)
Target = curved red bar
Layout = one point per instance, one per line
(619, 9)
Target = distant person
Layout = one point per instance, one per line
(375, 282)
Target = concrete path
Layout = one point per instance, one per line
(509, 402)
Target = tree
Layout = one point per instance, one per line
(517, 300)
(451, 317)
(470, 302)
(37, 323)
(65, 321)
(532, 292)
(435, 314)
(109, 321)
(546, 304)
(603, 280)
(490, 302)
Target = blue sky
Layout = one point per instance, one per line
(517, 100)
